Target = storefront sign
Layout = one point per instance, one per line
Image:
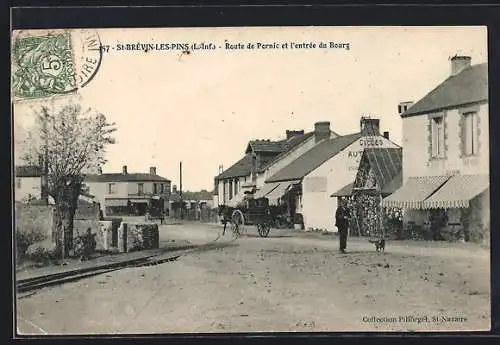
(371, 142)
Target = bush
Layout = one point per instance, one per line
(84, 245)
(42, 251)
(478, 233)
(26, 239)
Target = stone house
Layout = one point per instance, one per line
(446, 155)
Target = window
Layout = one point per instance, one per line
(111, 188)
(18, 183)
(140, 188)
(155, 188)
(437, 132)
(162, 188)
(470, 134)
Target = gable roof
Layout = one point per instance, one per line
(290, 145)
(468, 87)
(313, 158)
(265, 146)
(28, 171)
(119, 177)
(243, 167)
(387, 165)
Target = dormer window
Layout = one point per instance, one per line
(437, 137)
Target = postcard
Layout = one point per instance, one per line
(251, 179)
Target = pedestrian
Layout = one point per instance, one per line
(342, 216)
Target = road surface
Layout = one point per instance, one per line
(286, 282)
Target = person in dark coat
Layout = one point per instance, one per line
(342, 216)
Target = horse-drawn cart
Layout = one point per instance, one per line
(249, 212)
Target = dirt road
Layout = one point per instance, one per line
(287, 282)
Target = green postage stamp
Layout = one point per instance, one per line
(45, 64)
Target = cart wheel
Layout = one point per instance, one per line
(263, 230)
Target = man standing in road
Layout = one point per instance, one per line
(342, 216)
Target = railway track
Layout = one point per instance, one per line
(31, 284)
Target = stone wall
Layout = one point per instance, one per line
(137, 236)
(37, 220)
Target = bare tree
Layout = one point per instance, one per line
(68, 142)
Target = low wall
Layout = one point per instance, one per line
(34, 220)
(137, 236)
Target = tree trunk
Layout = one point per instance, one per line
(66, 200)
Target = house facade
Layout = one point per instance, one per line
(446, 154)
(308, 182)
(262, 158)
(127, 193)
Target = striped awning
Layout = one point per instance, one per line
(414, 192)
(280, 190)
(115, 202)
(458, 191)
(344, 191)
(265, 189)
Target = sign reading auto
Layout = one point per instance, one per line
(364, 143)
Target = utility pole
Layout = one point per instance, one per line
(180, 190)
(44, 161)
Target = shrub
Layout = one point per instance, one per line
(84, 244)
(26, 239)
(42, 251)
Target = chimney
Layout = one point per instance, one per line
(124, 170)
(386, 135)
(459, 63)
(291, 133)
(321, 130)
(254, 167)
(404, 106)
(152, 170)
(370, 127)
(174, 189)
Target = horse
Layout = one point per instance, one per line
(225, 212)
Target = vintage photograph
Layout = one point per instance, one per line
(251, 179)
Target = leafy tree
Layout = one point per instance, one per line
(68, 141)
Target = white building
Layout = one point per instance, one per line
(28, 182)
(118, 192)
(262, 159)
(309, 180)
(446, 153)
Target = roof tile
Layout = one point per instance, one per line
(313, 158)
(468, 87)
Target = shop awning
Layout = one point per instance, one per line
(265, 189)
(344, 191)
(458, 191)
(236, 199)
(115, 202)
(414, 192)
(281, 190)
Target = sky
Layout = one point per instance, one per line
(203, 108)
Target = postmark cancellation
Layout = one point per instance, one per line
(55, 62)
